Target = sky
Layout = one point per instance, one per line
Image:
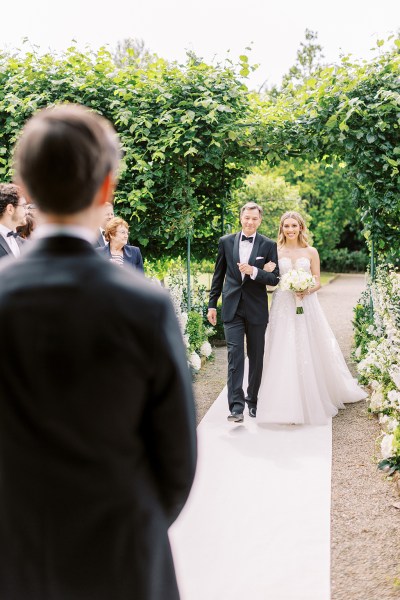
(213, 29)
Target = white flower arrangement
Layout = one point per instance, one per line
(379, 352)
(388, 424)
(393, 400)
(379, 358)
(195, 361)
(205, 349)
(387, 445)
(297, 280)
(377, 400)
(195, 344)
(395, 376)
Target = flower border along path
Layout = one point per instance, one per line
(365, 525)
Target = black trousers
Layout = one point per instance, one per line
(235, 333)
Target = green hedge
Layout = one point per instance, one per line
(341, 260)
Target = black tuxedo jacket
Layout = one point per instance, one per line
(5, 248)
(132, 255)
(99, 243)
(228, 279)
(97, 428)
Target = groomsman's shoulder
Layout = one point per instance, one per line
(130, 282)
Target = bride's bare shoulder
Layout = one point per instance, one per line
(312, 252)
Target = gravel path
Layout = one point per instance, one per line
(365, 524)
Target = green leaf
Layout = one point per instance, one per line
(191, 151)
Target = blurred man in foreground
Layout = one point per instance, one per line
(97, 424)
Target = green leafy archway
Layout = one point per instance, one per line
(192, 132)
(350, 113)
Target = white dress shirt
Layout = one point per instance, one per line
(53, 229)
(245, 249)
(11, 241)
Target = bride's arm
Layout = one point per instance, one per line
(315, 270)
(269, 266)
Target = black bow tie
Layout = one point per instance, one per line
(247, 239)
(12, 233)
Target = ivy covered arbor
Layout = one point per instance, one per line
(191, 133)
(183, 131)
(349, 113)
(189, 146)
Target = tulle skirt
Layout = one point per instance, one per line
(305, 377)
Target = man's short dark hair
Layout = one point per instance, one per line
(9, 194)
(63, 156)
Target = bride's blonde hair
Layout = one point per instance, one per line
(303, 234)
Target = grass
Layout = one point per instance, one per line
(327, 277)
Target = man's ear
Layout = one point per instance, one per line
(105, 192)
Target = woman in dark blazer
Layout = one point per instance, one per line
(118, 250)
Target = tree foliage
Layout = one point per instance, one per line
(308, 61)
(349, 113)
(183, 130)
(192, 132)
(133, 51)
(273, 193)
(326, 193)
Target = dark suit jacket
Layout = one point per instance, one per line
(132, 255)
(5, 248)
(97, 428)
(99, 243)
(228, 279)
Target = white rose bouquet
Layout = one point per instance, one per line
(297, 280)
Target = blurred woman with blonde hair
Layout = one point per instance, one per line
(305, 377)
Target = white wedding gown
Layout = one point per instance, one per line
(305, 377)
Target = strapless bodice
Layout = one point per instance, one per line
(286, 264)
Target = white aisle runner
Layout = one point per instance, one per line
(257, 523)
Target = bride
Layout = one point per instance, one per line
(305, 377)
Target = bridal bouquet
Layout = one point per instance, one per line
(297, 280)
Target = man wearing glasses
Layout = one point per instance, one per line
(12, 214)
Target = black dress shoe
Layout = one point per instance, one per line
(252, 411)
(236, 417)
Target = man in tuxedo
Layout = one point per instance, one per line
(240, 277)
(12, 215)
(97, 420)
(108, 215)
